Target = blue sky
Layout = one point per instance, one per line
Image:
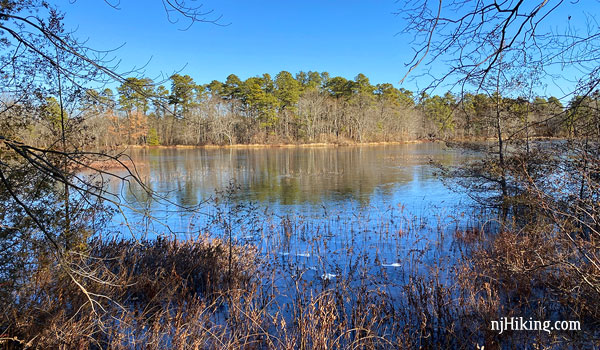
(341, 37)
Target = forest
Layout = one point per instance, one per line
(310, 107)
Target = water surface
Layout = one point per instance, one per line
(319, 210)
(299, 180)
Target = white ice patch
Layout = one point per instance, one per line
(391, 265)
(328, 276)
(303, 255)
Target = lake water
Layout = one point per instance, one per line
(319, 207)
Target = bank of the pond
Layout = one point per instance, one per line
(342, 143)
(285, 145)
(118, 159)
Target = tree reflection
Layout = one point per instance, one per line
(289, 176)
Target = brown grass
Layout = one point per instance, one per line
(175, 294)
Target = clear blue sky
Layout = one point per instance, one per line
(341, 37)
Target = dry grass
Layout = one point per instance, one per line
(166, 293)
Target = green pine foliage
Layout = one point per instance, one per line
(153, 139)
(312, 107)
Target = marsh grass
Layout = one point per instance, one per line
(394, 281)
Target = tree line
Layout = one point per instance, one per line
(306, 108)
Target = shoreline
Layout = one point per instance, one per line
(114, 164)
(283, 145)
(323, 144)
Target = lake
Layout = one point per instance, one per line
(319, 207)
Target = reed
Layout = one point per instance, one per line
(284, 291)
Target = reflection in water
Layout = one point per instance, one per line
(304, 181)
(316, 215)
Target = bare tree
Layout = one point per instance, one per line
(54, 195)
(508, 49)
